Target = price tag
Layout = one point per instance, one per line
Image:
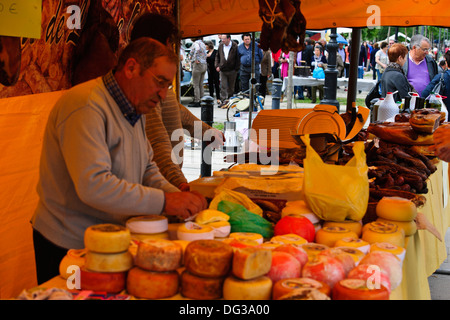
(21, 18)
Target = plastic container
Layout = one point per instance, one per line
(388, 108)
(412, 103)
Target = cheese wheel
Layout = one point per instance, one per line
(148, 224)
(74, 257)
(305, 294)
(396, 208)
(107, 238)
(329, 235)
(374, 276)
(255, 289)
(283, 266)
(359, 244)
(388, 263)
(296, 207)
(201, 288)
(251, 262)
(211, 215)
(208, 258)
(221, 229)
(289, 238)
(357, 289)
(409, 228)
(295, 250)
(313, 249)
(152, 285)
(241, 242)
(150, 236)
(299, 225)
(247, 235)
(159, 255)
(324, 268)
(355, 253)
(271, 245)
(193, 231)
(112, 282)
(389, 247)
(285, 286)
(342, 256)
(108, 262)
(382, 232)
(355, 226)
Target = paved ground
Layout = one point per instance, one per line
(439, 282)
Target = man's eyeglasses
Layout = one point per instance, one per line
(425, 49)
(161, 83)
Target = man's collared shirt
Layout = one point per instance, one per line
(127, 109)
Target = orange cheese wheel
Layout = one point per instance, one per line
(255, 289)
(383, 232)
(284, 265)
(355, 253)
(289, 238)
(247, 235)
(295, 250)
(305, 294)
(208, 258)
(270, 245)
(201, 288)
(313, 249)
(329, 235)
(251, 262)
(356, 289)
(107, 238)
(285, 286)
(159, 255)
(342, 256)
(152, 285)
(396, 208)
(112, 282)
(355, 226)
(241, 242)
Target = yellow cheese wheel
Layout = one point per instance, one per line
(383, 232)
(359, 244)
(193, 231)
(159, 255)
(208, 258)
(107, 238)
(285, 286)
(270, 244)
(389, 247)
(248, 235)
(148, 224)
(211, 215)
(355, 226)
(313, 249)
(152, 285)
(255, 289)
(396, 208)
(251, 262)
(201, 288)
(355, 253)
(329, 235)
(409, 227)
(74, 257)
(290, 238)
(108, 262)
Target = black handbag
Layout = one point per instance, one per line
(439, 88)
(374, 93)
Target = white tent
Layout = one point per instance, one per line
(402, 35)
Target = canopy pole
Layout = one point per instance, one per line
(353, 76)
(331, 73)
(177, 49)
(289, 88)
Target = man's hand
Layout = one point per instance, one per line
(184, 186)
(184, 204)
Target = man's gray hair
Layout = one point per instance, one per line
(416, 40)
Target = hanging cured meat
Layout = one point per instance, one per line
(283, 25)
(10, 54)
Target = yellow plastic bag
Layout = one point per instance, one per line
(336, 192)
(236, 197)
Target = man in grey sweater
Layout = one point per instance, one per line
(96, 163)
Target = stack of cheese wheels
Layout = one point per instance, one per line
(329, 235)
(399, 211)
(247, 280)
(107, 258)
(148, 227)
(207, 263)
(301, 208)
(191, 231)
(355, 226)
(155, 275)
(379, 231)
(215, 219)
(285, 286)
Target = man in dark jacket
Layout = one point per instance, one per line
(227, 64)
(420, 67)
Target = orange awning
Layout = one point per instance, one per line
(205, 17)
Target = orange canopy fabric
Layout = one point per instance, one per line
(205, 17)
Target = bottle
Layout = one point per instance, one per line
(387, 109)
(443, 107)
(412, 103)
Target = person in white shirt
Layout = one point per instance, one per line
(199, 67)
